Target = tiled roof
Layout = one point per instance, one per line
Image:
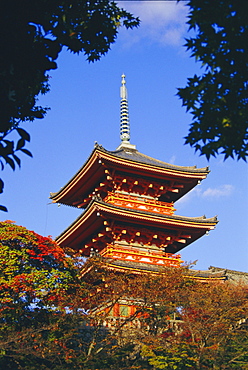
(137, 267)
(201, 219)
(126, 158)
(232, 275)
(136, 156)
(130, 265)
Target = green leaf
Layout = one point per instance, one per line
(17, 159)
(27, 152)
(24, 134)
(10, 162)
(20, 144)
(1, 185)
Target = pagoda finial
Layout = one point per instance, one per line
(123, 87)
(124, 124)
(124, 127)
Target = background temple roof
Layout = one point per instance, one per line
(231, 275)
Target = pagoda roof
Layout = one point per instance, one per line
(131, 161)
(135, 156)
(91, 221)
(136, 267)
(139, 267)
(231, 275)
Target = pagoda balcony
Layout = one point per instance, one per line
(158, 258)
(114, 322)
(140, 203)
(138, 323)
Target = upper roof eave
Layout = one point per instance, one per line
(130, 158)
(133, 155)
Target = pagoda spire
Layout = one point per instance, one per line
(124, 117)
(124, 124)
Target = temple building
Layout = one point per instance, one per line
(128, 201)
(128, 219)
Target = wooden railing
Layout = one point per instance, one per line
(139, 203)
(159, 258)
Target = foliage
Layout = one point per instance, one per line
(174, 358)
(35, 274)
(178, 323)
(218, 98)
(213, 315)
(36, 280)
(210, 331)
(33, 33)
(182, 323)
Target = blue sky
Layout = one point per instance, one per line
(84, 101)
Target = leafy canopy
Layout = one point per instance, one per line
(34, 274)
(176, 322)
(218, 98)
(33, 33)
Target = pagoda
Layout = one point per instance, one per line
(128, 206)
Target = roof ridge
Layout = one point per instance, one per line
(228, 270)
(153, 161)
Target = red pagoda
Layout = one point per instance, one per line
(128, 201)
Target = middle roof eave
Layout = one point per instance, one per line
(92, 219)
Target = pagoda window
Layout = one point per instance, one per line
(124, 311)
